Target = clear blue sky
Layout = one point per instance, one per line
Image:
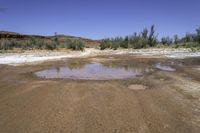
(99, 18)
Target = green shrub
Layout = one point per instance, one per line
(115, 46)
(76, 44)
(166, 40)
(5, 44)
(105, 43)
(124, 43)
(50, 45)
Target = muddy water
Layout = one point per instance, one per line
(108, 70)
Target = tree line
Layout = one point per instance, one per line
(149, 38)
(144, 39)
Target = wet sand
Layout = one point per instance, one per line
(157, 102)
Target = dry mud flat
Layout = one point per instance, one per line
(156, 102)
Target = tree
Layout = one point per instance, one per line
(198, 31)
(166, 40)
(198, 35)
(152, 37)
(189, 37)
(176, 39)
(56, 39)
(145, 33)
(105, 43)
(125, 43)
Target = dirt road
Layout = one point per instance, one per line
(168, 102)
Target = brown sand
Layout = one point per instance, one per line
(161, 104)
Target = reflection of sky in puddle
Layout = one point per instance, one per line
(98, 71)
(167, 66)
(94, 71)
(164, 67)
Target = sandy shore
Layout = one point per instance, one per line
(38, 56)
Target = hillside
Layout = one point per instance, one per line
(61, 38)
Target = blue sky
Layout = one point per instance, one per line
(99, 18)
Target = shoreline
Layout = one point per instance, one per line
(43, 55)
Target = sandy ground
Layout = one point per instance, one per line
(40, 56)
(160, 102)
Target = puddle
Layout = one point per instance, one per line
(106, 71)
(164, 67)
(92, 71)
(168, 65)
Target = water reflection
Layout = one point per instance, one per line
(136, 67)
(107, 70)
(76, 65)
(168, 65)
(164, 67)
(95, 71)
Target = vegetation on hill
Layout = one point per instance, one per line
(42, 44)
(148, 38)
(145, 39)
(12, 40)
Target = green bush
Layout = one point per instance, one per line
(5, 44)
(50, 45)
(166, 40)
(34, 43)
(138, 42)
(76, 45)
(105, 43)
